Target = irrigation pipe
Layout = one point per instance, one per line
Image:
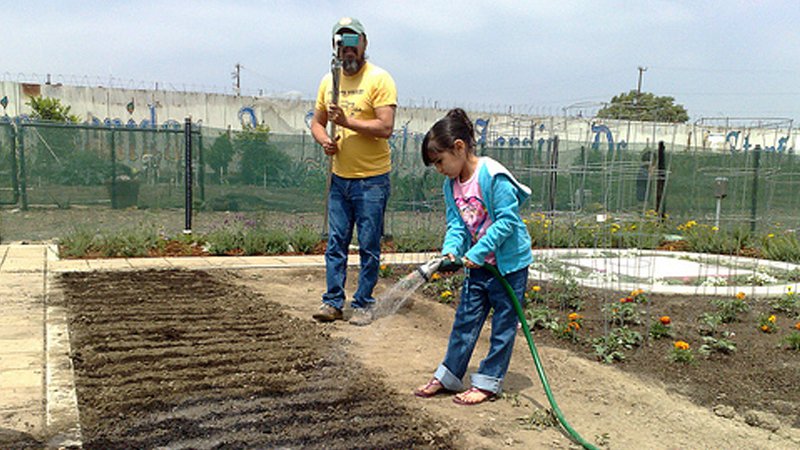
(537, 361)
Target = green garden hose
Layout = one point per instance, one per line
(536, 360)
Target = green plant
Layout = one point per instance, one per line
(786, 303)
(711, 345)
(709, 323)
(419, 240)
(681, 353)
(534, 295)
(660, 328)
(607, 350)
(781, 246)
(565, 290)
(130, 242)
(623, 313)
(385, 271)
(444, 286)
(766, 323)
(541, 317)
(610, 348)
(304, 239)
(792, 340)
(224, 241)
(265, 242)
(77, 243)
(729, 309)
(48, 108)
(710, 239)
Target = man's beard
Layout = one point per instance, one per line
(351, 66)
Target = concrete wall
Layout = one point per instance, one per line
(289, 116)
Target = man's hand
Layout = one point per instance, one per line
(329, 146)
(337, 115)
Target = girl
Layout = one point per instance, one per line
(483, 227)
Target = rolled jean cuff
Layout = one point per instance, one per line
(448, 380)
(486, 383)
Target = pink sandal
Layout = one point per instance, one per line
(461, 399)
(425, 391)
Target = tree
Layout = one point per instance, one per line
(47, 108)
(219, 156)
(644, 106)
(261, 162)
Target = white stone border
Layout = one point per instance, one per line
(774, 290)
(62, 420)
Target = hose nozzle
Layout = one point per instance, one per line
(439, 264)
(430, 267)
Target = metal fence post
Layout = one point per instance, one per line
(23, 176)
(754, 202)
(113, 182)
(187, 133)
(14, 166)
(661, 175)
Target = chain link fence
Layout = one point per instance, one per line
(64, 168)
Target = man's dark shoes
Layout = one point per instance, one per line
(328, 313)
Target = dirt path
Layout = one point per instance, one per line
(605, 405)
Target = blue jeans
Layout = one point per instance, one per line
(359, 202)
(481, 293)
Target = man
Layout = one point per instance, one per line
(359, 188)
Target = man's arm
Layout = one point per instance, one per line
(381, 126)
(320, 132)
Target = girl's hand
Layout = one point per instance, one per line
(470, 264)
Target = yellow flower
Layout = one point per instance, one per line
(772, 318)
(536, 288)
(525, 221)
(740, 295)
(770, 236)
(383, 266)
(715, 228)
(681, 345)
(446, 294)
(574, 316)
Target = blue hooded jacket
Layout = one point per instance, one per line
(507, 236)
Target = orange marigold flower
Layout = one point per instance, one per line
(665, 320)
(681, 345)
(574, 316)
(625, 300)
(436, 276)
(764, 328)
(383, 266)
(573, 326)
(797, 325)
(741, 295)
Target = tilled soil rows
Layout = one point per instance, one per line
(181, 359)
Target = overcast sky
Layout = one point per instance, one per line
(717, 58)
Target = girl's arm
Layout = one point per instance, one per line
(506, 217)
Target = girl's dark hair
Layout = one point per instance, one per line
(443, 134)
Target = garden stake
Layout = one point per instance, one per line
(444, 264)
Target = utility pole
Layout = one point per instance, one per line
(642, 70)
(237, 78)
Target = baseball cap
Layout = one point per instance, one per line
(348, 23)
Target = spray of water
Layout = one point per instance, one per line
(393, 299)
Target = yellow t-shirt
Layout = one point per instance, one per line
(372, 87)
